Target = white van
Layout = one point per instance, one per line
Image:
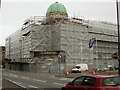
(79, 68)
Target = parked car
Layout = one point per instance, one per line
(110, 67)
(94, 82)
(79, 68)
(116, 67)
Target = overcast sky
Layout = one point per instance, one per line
(14, 12)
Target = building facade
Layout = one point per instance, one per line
(57, 42)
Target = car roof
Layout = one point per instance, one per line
(101, 75)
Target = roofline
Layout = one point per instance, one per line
(101, 75)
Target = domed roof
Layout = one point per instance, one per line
(56, 7)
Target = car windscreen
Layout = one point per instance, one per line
(85, 81)
(113, 81)
(77, 67)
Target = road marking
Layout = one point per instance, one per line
(25, 77)
(41, 80)
(14, 75)
(67, 79)
(34, 79)
(32, 86)
(58, 83)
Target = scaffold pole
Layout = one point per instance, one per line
(117, 6)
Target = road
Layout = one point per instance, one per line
(40, 81)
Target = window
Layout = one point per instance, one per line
(89, 81)
(85, 81)
(111, 81)
(77, 67)
(78, 81)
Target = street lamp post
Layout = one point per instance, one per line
(117, 6)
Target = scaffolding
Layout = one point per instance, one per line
(42, 42)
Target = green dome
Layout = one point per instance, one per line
(56, 7)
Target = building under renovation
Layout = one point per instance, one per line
(57, 42)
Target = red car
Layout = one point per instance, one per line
(94, 82)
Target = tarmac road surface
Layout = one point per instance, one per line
(41, 81)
